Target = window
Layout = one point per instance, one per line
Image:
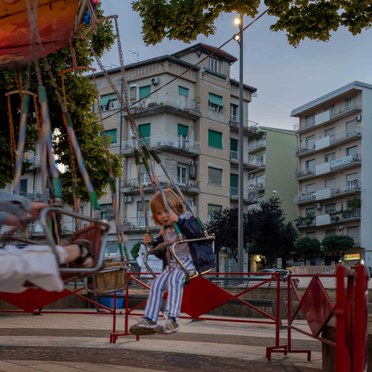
(331, 109)
(352, 182)
(353, 151)
(329, 157)
(215, 65)
(330, 183)
(215, 102)
(310, 165)
(310, 143)
(183, 91)
(212, 209)
(141, 222)
(133, 93)
(145, 178)
(108, 102)
(353, 232)
(310, 212)
(23, 187)
(112, 134)
(330, 133)
(309, 120)
(234, 113)
(106, 212)
(214, 139)
(215, 176)
(183, 131)
(350, 103)
(330, 208)
(145, 132)
(234, 184)
(260, 160)
(310, 188)
(233, 149)
(144, 91)
(351, 128)
(182, 174)
(260, 181)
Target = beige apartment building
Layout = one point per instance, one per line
(185, 106)
(334, 156)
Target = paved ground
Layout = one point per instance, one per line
(71, 342)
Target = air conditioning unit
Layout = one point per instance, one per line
(155, 80)
(318, 206)
(358, 117)
(128, 199)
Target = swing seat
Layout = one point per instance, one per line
(96, 232)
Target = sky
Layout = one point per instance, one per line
(285, 77)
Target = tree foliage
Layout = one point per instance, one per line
(268, 234)
(265, 231)
(186, 19)
(337, 245)
(307, 248)
(80, 94)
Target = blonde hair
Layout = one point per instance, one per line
(174, 201)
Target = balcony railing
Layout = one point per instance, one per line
(185, 184)
(335, 113)
(260, 144)
(155, 102)
(166, 141)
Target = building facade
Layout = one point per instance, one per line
(334, 182)
(186, 108)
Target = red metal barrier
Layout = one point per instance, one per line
(351, 319)
(201, 296)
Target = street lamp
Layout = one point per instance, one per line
(239, 38)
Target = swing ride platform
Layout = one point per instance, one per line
(74, 342)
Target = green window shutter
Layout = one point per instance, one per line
(233, 144)
(183, 130)
(111, 133)
(145, 132)
(182, 91)
(144, 91)
(215, 99)
(214, 139)
(104, 99)
(234, 180)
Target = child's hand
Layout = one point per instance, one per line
(173, 217)
(147, 238)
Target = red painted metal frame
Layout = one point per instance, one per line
(351, 319)
(270, 319)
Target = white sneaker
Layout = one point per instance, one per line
(167, 326)
(143, 327)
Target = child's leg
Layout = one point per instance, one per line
(176, 281)
(153, 303)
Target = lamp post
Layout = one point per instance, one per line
(239, 38)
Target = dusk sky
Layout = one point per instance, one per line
(285, 77)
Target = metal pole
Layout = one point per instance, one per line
(240, 153)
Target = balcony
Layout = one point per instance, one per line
(234, 158)
(259, 186)
(166, 103)
(164, 142)
(333, 166)
(247, 129)
(257, 146)
(234, 194)
(329, 141)
(186, 185)
(336, 113)
(136, 224)
(257, 163)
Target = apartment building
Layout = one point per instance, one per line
(185, 106)
(334, 179)
(272, 157)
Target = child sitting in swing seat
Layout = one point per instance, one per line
(195, 256)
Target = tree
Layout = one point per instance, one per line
(268, 234)
(265, 231)
(307, 248)
(224, 225)
(135, 249)
(185, 20)
(80, 98)
(336, 246)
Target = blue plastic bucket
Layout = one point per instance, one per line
(109, 302)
